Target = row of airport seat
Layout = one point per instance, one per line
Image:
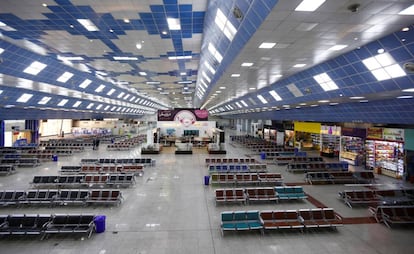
(54, 197)
(279, 220)
(393, 215)
(247, 178)
(210, 161)
(247, 195)
(47, 224)
(377, 197)
(234, 168)
(144, 161)
(7, 169)
(88, 180)
(304, 167)
(136, 169)
(20, 162)
(340, 177)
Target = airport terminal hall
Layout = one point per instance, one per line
(206, 126)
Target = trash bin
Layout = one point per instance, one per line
(100, 223)
(54, 157)
(263, 155)
(206, 180)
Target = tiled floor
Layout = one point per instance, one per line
(170, 210)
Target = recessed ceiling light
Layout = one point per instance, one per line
(142, 73)
(44, 4)
(247, 64)
(138, 45)
(111, 31)
(267, 45)
(174, 24)
(380, 51)
(405, 97)
(222, 87)
(405, 29)
(356, 97)
(252, 88)
(333, 103)
(302, 104)
(126, 20)
(235, 75)
(314, 105)
(164, 32)
(323, 101)
(363, 101)
(183, 73)
(309, 5)
(299, 65)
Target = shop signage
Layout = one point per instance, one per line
(393, 134)
(374, 133)
(354, 132)
(331, 130)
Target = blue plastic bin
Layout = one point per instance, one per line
(100, 223)
(206, 180)
(263, 155)
(54, 157)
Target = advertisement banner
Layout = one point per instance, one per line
(185, 116)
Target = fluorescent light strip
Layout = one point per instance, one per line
(275, 95)
(225, 25)
(407, 11)
(185, 82)
(100, 88)
(142, 73)
(69, 58)
(76, 104)
(204, 74)
(1, 50)
(99, 107)
(215, 53)
(120, 95)
(235, 75)
(153, 82)
(5, 27)
(63, 102)
(210, 68)
(65, 77)
(309, 5)
(24, 98)
(44, 100)
(88, 25)
(247, 64)
(383, 67)
(267, 45)
(126, 96)
(244, 103)
(90, 105)
(107, 107)
(180, 57)
(262, 99)
(111, 92)
(125, 58)
(34, 68)
(337, 47)
(85, 83)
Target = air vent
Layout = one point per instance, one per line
(238, 14)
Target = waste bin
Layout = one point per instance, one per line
(206, 180)
(100, 223)
(54, 157)
(263, 155)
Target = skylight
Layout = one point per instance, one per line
(85, 83)
(383, 67)
(407, 11)
(63, 102)
(275, 95)
(110, 92)
(76, 104)
(88, 25)
(325, 82)
(120, 95)
(267, 45)
(24, 98)
(173, 24)
(225, 25)
(100, 88)
(90, 105)
(262, 99)
(44, 100)
(34, 68)
(309, 5)
(214, 52)
(65, 77)
(125, 58)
